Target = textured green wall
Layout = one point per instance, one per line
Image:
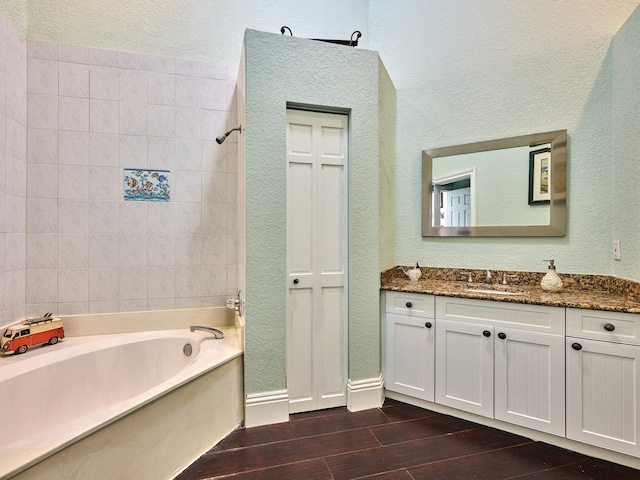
(16, 13)
(281, 70)
(626, 145)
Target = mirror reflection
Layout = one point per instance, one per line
(508, 187)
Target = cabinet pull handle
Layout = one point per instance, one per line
(296, 281)
(502, 336)
(486, 333)
(409, 304)
(428, 325)
(576, 346)
(609, 327)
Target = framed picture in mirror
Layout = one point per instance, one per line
(539, 176)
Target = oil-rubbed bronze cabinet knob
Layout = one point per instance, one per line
(609, 327)
(576, 346)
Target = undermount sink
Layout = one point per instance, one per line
(495, 291)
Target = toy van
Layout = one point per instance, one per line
(21, 336)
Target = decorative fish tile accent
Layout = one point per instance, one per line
(147, 185)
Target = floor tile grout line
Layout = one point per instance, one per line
(547, 469)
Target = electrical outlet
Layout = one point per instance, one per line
(616, 250)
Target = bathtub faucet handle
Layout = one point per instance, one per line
(214, 331)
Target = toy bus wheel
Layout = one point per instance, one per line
(53, 340)
(22, 349)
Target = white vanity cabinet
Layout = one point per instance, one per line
(409, 344)
(603, 379)
(502, 360)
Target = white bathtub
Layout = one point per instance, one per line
(54, 396)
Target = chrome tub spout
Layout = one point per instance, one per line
(214, 331)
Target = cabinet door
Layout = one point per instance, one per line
(464, 366)
(529, 380)
(409, 355)
(603, 392)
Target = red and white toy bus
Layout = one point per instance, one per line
(21, 336)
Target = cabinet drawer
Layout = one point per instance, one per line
(535, 318)
(607, 326)
(411, 304)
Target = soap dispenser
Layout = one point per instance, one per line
(551, 282)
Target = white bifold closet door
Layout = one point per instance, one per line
(317, 152)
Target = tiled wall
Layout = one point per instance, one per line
(91, 113)
(13, 172)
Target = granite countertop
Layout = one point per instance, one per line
(593, 292)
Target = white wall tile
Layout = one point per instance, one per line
(188, 250)
(104, 217)
(42, 285)
(42, 180)
(73, 148)
(132, 251)
(132, 217)
(42, 146)
(214, 249)
(214, 94)
(189, 123)
(73, 284)
(103, 306)
(214, 218)
(161, 303)
(99, 56)
(133, 305)
(161, 153)
(133, 151)
(103, 183)
(16, 216)
(188, 218)
(42, 250)
(73, 216)
(103, 251)
(73, 182)
(187, 186)
(214, 187)
(188, 91)
(214, 124)
(188, 302)
(214, 280)
(132, 86)
(103, 116)
(188, 154)
(73, 250)
(160, 218)
(16, 177)
(161, 89)
(46, 50)
(16, 144)
(160, 250)
(133, 118)
(42, 215)
(43, 111)
(161, 282)
(16, 251)
(104, 82)
(74, 114)
(188, 67)
(214, 70)
(43, 76)
(73, 53)
(160, 64)
(103, 284)
(73, 80)
(103, 149)
(73, 308)
(188, 281)
(132, 283)
(162, 121)
(135, 61)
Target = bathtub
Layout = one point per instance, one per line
(53, 397)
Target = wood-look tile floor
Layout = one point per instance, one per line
(395, 442)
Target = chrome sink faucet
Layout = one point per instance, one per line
(488, 277)
(216, 333)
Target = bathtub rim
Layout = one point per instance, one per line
(208, 360)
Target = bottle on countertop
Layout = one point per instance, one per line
(551, 282)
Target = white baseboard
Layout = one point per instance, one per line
(365, 394)
(266, 408)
